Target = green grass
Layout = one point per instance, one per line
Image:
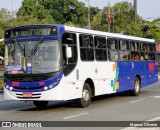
(1, 83)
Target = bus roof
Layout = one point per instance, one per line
(101, 33)
(88, 31)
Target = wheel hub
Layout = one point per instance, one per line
(85, 95)
(137, 87)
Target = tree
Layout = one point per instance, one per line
(152, 29)
(124, 19)
(123, 15)
(61, 11)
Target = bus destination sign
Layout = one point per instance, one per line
(29, 32)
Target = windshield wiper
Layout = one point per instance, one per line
(34, 50)
(22, 51)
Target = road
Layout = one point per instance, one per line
(116, 107)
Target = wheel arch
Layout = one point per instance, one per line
(138, 76)
(91, 84)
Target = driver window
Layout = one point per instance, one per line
(69, 39)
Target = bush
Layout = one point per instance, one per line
(1, 83)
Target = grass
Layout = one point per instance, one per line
(1, 83)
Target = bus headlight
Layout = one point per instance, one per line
(50, 86)
(56, 82)
(7, 86)
(11, 88)
(45, 88)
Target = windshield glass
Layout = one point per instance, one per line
(33, 57)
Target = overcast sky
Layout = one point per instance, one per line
(146, 8)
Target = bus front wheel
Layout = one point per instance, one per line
(137, 87)
(40, 104)
(86, 96)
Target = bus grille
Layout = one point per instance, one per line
(27, 79)
(34, 96)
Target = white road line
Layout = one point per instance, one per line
(75, 116)
(18, 109)
(155, 119)
(154, 96)
(136, 101)
(149, 128)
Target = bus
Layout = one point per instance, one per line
(50, 62)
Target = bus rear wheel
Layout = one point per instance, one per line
(40, 104)
(137, 87)
(86, 96)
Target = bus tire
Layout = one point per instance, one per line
(40, 104)
(86, 96)
(137, 87)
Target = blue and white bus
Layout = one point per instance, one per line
(56, 63)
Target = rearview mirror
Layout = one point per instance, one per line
(68, 52)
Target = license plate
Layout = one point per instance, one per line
(27, 94)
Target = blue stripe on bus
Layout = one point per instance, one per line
(34, 86)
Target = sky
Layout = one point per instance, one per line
(148, 9)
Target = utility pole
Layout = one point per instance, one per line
(12, 9)
(112, 20)
(135, 10)
(89, 22)
(109, 17)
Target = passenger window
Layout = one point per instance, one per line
(113, 55)
(143, 47)
(143, 51)
(86, 48)
(124, 55)
(151, 56)
(151, 48)
(135, 56)
(113, 47)
(143, 56)
(151, 52)
(100, 48)
(124, 45)
(134, 46)
(113, 43)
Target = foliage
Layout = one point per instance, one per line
(1, 83)
(74, 13)
(61, 11)
(152, 29)
(122, 14)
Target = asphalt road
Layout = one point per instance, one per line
(116, 107)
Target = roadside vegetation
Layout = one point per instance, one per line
(74, 13)
(1, 83)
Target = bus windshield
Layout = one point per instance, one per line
(41, 56)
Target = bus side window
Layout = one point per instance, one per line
(113, 46)
(143, 47)
(100, 48)
(151, 48)
(135, 55)
(86, 47)
(124, 53)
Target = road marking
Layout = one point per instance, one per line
(155, 119)
(136, 101)
(18, 109)
(75, 116)
(155, 96)
(141, 128)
